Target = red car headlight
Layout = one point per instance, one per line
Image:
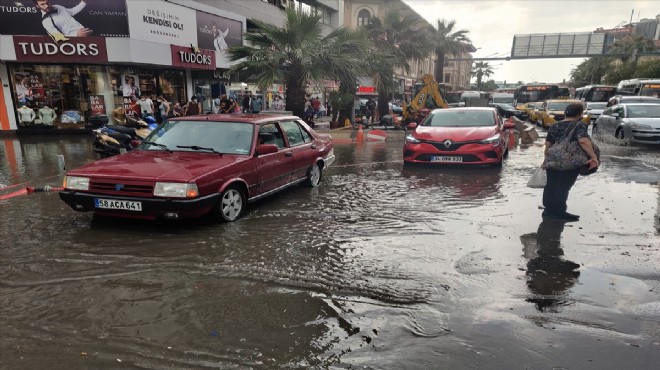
(495, 139)
(412, 140)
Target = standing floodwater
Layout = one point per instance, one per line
(382, 266)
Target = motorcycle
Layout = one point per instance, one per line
(111, 139)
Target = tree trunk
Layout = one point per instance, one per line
(440, 67)
(383, 104)
(295, 96)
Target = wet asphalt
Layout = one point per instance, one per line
(383, 266)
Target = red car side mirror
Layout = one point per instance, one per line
(267, 149)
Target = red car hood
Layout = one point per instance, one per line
(157, 166)
(454, 133)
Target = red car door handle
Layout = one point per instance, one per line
(288, 154)
(313, 146)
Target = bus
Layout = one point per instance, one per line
(639, 86)
(595, 93)
(538, 92)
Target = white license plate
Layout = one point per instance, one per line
(124, 205)
(442, 158)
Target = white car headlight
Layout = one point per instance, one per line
(412, 140)
(638, 126)
(175, 190)
(495, 139)
(76, 183)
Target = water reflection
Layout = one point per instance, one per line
(549, 275)
(33, 158)
(462, 183)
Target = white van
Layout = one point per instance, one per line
(503, 98)
(470, 95)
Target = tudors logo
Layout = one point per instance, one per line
(65, 48)
(193, 57)
(43, 49)
(197, 58)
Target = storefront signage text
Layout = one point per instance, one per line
(44, 49)
(97, 105)
(190, 58)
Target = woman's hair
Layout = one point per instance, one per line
(574, 109)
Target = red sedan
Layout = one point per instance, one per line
(195, 166)
(459, 136)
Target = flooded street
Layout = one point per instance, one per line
(380, 267)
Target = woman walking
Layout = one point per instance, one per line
(559, 184)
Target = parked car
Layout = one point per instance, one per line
(637, 122)
(624, 99)
(396, 109)
(193, 166)
(552, 111)
(506, 111)
(458, 136)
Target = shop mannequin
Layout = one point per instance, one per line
(119, 116)
(26, 115)
(47, 115)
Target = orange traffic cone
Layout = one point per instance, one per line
(360, 135)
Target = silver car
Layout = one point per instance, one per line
(637, 122)
(594, 110)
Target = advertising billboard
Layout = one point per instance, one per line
(217, 33)
(558, 45)
(64, 18)
(162, 22)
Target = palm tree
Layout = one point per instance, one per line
(396, 41)
(481, 70)
(298, 53)
(590, 71)
(446, 41)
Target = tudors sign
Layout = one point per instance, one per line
(73, 50)
(187, 57)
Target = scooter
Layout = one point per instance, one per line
(111, 140)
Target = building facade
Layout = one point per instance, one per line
(456, 73)
(76, 64)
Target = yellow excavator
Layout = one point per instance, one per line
(428, 96)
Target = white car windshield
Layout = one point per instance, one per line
(596, 105)
(460, 118)
(643, 111)
(208, 136)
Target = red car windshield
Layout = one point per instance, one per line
(460, 118)
(221, 137)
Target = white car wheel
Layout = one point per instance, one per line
(231, 205)
(314, 176)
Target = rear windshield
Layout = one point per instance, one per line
(460, 118)
(559, 105)
(596, 105)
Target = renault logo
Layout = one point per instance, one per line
(118, 187)
(447, 143)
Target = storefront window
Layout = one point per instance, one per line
(73, 96)
(56, 96)
(208, 85)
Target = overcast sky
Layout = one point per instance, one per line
(493, 23)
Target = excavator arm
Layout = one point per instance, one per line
(429, 96)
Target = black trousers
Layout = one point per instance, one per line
(555, 193)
